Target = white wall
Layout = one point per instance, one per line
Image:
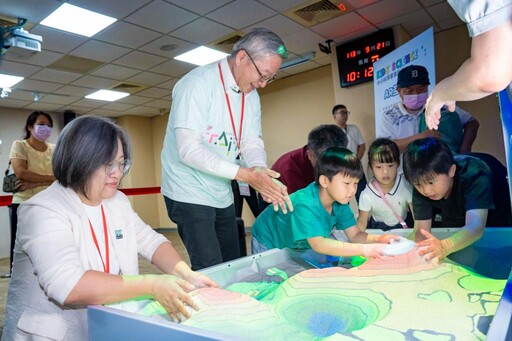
(12, 123)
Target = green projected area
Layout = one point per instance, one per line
(402, 298)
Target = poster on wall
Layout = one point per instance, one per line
(417, 51)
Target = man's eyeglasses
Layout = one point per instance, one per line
(123, 167)
(263, 78)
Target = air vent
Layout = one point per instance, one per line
(225, 44)
(315, 12)
(130, 88)
(75, 64)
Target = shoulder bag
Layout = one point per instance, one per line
(9, 184)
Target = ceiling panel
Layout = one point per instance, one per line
(95, 82)
(247, 13)
(173, 68)
(114, 8)
(201, 31)
(169, 84)
(179, 46)
(154, 92)
(279, 24)
(18, 69)
(56, 40)
(35, 85)
(161, 16)
(134, 99)
(43, 58)
(302, 41)
(43, 106)
(140, 60)
(412, 21)
(387, 10)
(90, 103)
(98, 50)
(282, 5)
(32, 10)
(115, 72)
(74, 91)
(342, 26)
(127, 35)
(148, 78)
(120, 107)
(56, 76)
(9, 102)
(59, 99)
(140, 46)
(199, 6)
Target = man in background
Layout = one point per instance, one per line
(356, 143)
(297, 167)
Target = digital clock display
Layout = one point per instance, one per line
(356, 58)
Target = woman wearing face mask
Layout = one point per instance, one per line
(31, 160)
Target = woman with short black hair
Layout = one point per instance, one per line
(78, 242)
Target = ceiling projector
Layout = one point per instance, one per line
(21, 44)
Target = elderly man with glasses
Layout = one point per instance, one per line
(213, 136)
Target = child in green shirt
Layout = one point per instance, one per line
(318, 208)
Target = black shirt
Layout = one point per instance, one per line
(480, 182)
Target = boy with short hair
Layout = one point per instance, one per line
(318, 208)
(470, 189)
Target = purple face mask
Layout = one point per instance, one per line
(41, 132)
(415, 102)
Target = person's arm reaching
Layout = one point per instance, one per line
(362, 220)
(333, 247)
(171, 290)
(432, 247)
(193, 153)
(488, 70)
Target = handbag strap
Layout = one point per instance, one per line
(8, 166)
(375, 184)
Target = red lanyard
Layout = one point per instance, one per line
(106, 268)
(239, 138)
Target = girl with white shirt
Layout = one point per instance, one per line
(386, 201)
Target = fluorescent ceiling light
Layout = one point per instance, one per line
(6, 81)
(107, 95)
(297, 61)
(77, 20)
(201, 56)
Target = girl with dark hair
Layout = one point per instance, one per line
(31, 160)
(385, 201)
